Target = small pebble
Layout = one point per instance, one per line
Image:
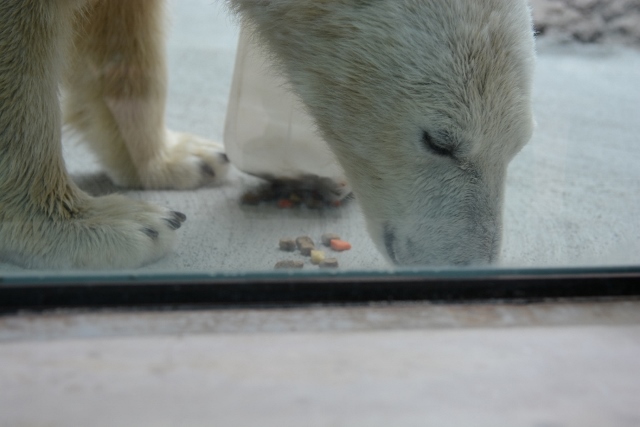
(288, 245)
(328, 237)
(329, 263)
(317, 257)
(305, 244)
(289, 264)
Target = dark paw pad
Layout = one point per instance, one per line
(207, 170)
(151, 233)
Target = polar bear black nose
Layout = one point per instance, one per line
(389, 239)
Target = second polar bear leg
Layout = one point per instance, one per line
(45, 220)
(116, 89)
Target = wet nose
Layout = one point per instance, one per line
(389, 239)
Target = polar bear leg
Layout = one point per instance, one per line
(45, 220)
(116, 93)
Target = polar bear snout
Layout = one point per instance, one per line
(475, 248)
(389, 238)
(449, 220)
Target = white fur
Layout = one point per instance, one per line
(376, 74)
(109, 54)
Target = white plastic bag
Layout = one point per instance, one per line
(267, 131)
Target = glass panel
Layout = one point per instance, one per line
(571, 197)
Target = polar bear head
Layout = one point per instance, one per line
(423, 102)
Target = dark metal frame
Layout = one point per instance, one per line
(30, 293)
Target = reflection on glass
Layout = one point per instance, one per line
(431, 126)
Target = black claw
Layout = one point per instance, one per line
(179, 216)
(207, 170)
(151, 233)
(176, 220)
(174, 224)
(224, 158)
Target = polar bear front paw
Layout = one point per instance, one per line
(106, 232)
(185, 162)
(188, 161)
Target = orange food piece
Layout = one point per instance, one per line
(285, 204)
(340, 245)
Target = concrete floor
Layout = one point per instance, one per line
(542, 365)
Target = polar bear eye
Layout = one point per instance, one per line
(436, 147)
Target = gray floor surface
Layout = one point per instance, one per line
(572, 195)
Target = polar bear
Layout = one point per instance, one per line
(424, 103)
(109, 56)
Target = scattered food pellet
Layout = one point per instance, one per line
(288, 245)
(317, 257)
(304, 239)
(329, 263)
(285, 204)
(312, 192)
(251, 198)
(305, 244)
(328, 237)
(340, 245)
(289, 264)
(314, 204)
